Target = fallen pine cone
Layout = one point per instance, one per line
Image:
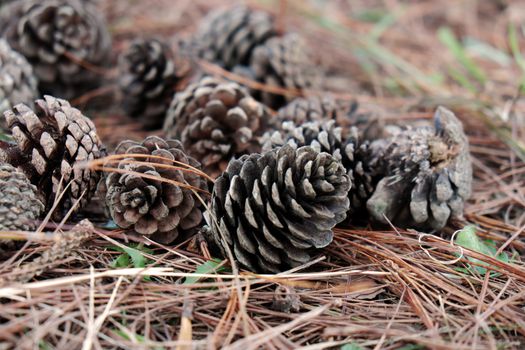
(216, 121)
(20, 206)
(228, 36)
(326, 136)
(51, 143)
(17, 80)
(164, 207)
(272, 210)
(148, 78)
(429, 175)
(284, 63)
(64, 40)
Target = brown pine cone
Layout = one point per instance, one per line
(62, 39)
(148, 78)
(50, 143)
(353, 153)
(215, 121)
(227, 36)
(282, 62)
(273, 210)
(162, 210)
(17, 81)
(19, 205)
(429, 175)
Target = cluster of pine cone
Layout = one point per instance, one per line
(274, 184)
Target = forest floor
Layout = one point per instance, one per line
(370, 289)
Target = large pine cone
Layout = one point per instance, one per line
(50, 144)
(228, 36)
(273, 209)
(148, 79)
(162, 209)
(431, 175)
(326, 136)
(62, 39)
(17, 81)
(19, 205)
(282, 62)
(215, 121)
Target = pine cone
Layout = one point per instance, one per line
(353, 153)
(228, 36)
(431, 175)
(316, 108)
(19, 204)
(148, 79)
(273, 209)
(282, 62)
(162, 210)
(50, 142)
(215, 121)
(62, 39)
(17, 81)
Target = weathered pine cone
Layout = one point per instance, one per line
(148, 78)
(64, 40)
(50, 144)
(273, 209)
(353, 153)
(429, 175)
(17, 81)
(215, 121)
(320, 108)
(285, 63)
(228, 36)
(20, 206)
(148, 197)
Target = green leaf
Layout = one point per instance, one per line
(121, 261)
(447, 37)
(205, 268)
(467, 238)
(133, 252)
(352, 346)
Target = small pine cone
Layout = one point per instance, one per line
(148, 79)
(228, 36)
(62, 39)
(327, 137)
(315, 108)
(50, 144)
(431, 175)
(215, 121)
(17, 81)
(19, 204)
(273, 209)
(282, 62)
(161, 210)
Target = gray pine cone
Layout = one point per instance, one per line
(273, 209)
(161, 210)
(429, 175)
(62, 39)
(17, 81)
(215, 121)
(148, 78)
(282, 62)
(228, 36)
(353, 153)
(322, 108)
(19, 205)
(49, 144)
